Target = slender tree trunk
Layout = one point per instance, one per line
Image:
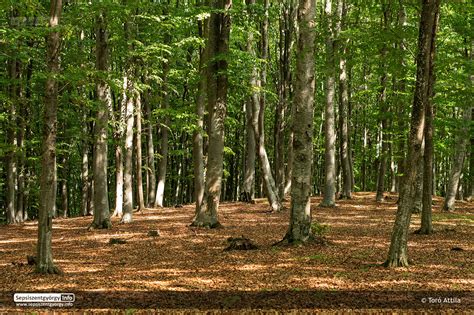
(21, 213)
(138, 141)
(471, 160)
(401, 88)
(162, 166)
(427, 199)
(284, 66)
(198, 145)
(151, 186)
(459, 155)
(64, 186)
(248, 189)
(119, 158)
(101, 193)
(218, 45)
(398, 253)
(329, 199)
(128, 165)
(11, 156)
(44, 262)
(258, 106)
(346, 192)
(300, 218)
(383, 110)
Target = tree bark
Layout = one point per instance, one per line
(198, 145)
(128, 167)
(427, 196)
(329, 199)
(258, 106)
(459, 155)
(100, 161)
(119, 158)
(48, 181)
(138, 142)
(383, 110)
(346, 192)
(300, 217)
(284, 67)
(398, 252)
(160, 189)
(151, 171)
(11, 156)
(218, 46)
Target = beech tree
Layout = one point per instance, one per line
(217, 47)
(398, 253)
(48, 183)
(101, 194)
(300, 217)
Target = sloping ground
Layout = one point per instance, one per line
(186, 268)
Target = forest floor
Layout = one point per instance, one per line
(186, 268)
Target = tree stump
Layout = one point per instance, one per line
(154, 233)
(240, 243)
(117, 241)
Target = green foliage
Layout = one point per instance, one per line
(319, 229)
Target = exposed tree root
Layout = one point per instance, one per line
(423, 231)
(207, 225)
(396, 262)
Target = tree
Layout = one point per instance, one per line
(346, 161)
(258, 101)
(218, 46)
(427, 198)
(383, 110)
(160, 188)
(101, 194)
(398, 252)
(138, 148)
(329, 199)
(300, 217)
(128, 169)
(48, 183)
(459, 154)
(198, 144)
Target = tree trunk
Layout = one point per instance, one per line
(284, 66)
(471, 160)
(248, 189)
(300, 218)
(64, 188)
(459, 155)
(398, 253)
(329, 199)
(101, 194)
(160, 190)
(128, 167)
(258, 109)
(151, 172)
(383, 110)
(218, 46)
(138, 142)
(198, 145)
(119, 158)
(11, 156)
(427, 196)
(44, 263)
(346, 192)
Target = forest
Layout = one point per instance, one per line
(257, 154)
